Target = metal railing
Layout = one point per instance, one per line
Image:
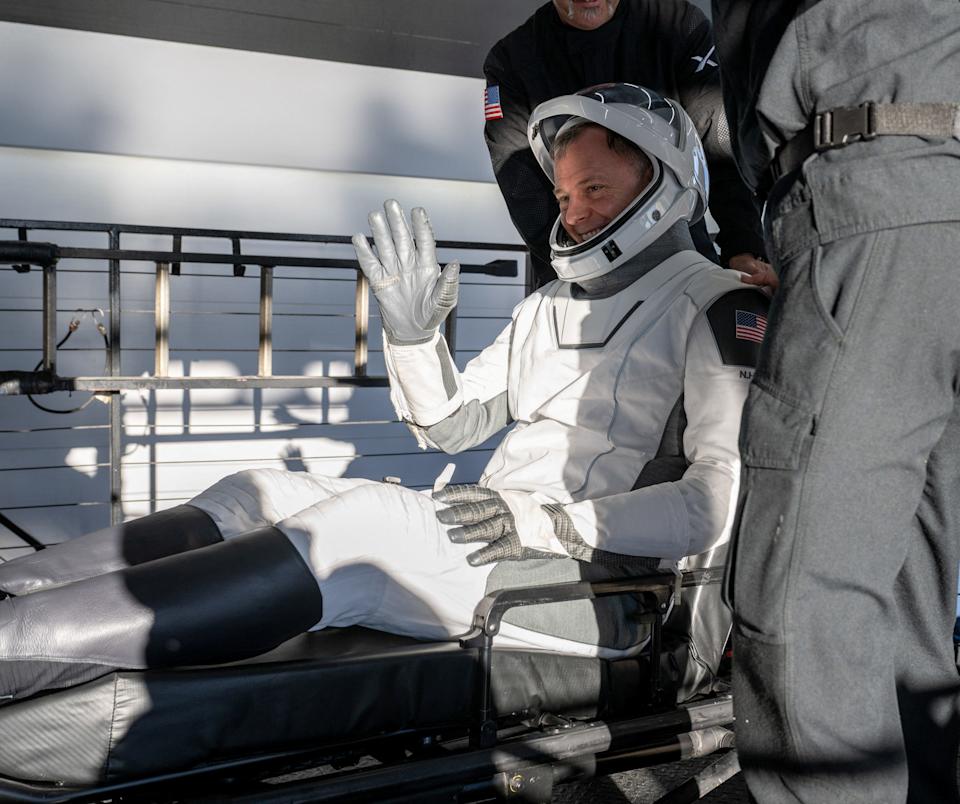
(24, 254)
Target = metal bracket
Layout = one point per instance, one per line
(23, 268)
(239, 269)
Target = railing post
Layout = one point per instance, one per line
(265, 355)
(361, 325)
(161, 317)
(50, 318)
(113, 367)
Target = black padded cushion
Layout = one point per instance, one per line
(317, 688)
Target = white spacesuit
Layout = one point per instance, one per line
(639, 331)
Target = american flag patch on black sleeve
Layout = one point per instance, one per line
(491, 103)
(750, 326)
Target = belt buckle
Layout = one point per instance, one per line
(835, 128)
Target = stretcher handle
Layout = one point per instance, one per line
(490, 610)
(658, 591)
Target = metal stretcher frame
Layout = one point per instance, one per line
(487, 763)
(22, 254)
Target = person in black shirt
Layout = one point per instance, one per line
(568, 45)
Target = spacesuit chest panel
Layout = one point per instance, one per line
(590, 407)
(590, 323)
(583, 323)
(570, 352)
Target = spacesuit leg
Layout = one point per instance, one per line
(235, 504)
(256, 497)
(164, 533)
(226, 601)
(383, 560)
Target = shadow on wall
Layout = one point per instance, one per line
(387, 132)
(38, 106)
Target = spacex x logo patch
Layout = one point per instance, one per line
(704, 61)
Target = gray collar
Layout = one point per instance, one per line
(676, 238)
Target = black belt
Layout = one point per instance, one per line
(838, 127)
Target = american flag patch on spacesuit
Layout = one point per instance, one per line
(750, 326)
(491, 103)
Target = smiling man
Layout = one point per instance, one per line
(665, 45)
(596, 180)
(623, 382)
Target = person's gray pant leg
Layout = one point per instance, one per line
(926, 600)
(854, 390)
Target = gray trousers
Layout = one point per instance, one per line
(844, 569)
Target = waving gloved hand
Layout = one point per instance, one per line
(513, 523)
(413, 294)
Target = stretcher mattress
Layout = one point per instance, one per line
(317, 688)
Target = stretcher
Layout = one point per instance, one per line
(358, 715)
(355, 714)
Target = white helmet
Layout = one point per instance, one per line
(677, 191)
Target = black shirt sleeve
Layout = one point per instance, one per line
(526, 189)
(698, 80)
(748, 35)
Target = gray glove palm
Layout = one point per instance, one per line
(482, 515)
(516, 526)
(414, 295)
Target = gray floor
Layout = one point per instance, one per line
(641, 786)
(648, 785)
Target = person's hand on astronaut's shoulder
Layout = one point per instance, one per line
(413, 293)
(513, 524)
(755, 271)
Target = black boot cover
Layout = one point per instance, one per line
(220, 603)
(164, 533)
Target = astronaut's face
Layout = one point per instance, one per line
(585, 14)
(593, 183)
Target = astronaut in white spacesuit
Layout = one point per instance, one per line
(596, 371)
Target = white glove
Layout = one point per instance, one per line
(413, 294)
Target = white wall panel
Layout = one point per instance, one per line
(438, 36)
(115, 94)
(164, 192)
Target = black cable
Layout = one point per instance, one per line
(13, 527)
(72, 327)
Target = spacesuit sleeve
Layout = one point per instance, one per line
(446, 408)
(731, 202)
(525, 188)
(695, 513)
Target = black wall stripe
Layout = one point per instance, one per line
(436, 36)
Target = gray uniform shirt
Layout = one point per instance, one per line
(783, 61)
